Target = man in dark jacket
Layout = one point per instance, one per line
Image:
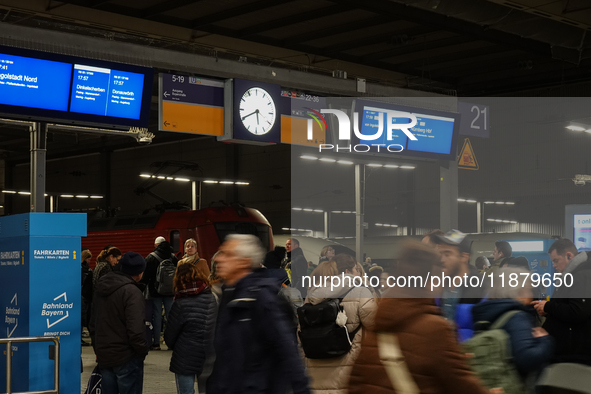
(568, 313)
(162, 252)
(457, 301)
(297, 264)
(255, 351)
(118, 320)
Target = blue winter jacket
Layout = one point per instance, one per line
(254, 344)
(529, 354)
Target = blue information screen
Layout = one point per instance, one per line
(40, 85)
(34, 83)
(107, 92)
(434, 132)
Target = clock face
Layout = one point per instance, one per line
(257, 111)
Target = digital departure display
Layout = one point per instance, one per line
(435, 131)
(61, 87)
(34, 83)
(102, 91)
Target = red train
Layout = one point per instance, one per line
(208, 226)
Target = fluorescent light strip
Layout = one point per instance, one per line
(344, 162)
(210, 181)
(25, 193)
(391, 166)
(226, 182)
(182, 179)
(96, 196)
(374, 165)
(67, 196)
(9, 191)
(327, 160)
(408, 167)
(305, 157)
(81, 196)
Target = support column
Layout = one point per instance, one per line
(38, 133)
(326, 224)
(448, 195)
(359, 204)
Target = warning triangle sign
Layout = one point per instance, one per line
(467, 159)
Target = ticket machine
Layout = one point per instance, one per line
(40, 281)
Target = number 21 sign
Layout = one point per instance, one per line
(475, 119)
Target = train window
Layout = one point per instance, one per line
(175, 240)
(258, 229)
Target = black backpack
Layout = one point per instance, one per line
(164, 282)
(320, 335)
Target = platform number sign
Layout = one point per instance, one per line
(475, 119)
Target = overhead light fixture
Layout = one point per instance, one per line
(297, 209)
(241, 183)
(9, 191)
(145, 176)
(344, 162)
(25, 193)
(306, 157)
(461, 200)
(318, 210)
(509, 203)
(471, 201)
(308, 209)
(335, 211)
(391, 166)
(500, 202)
(169, 178)
(96, 196)
(327, 160)
(575, 128)
(182, 179)
(374, 165)
(210, 181)
(226, 182)
(81, 196)
(161, 177)
(379, 224)
(489, 202)
(67, 195)
(408, 167)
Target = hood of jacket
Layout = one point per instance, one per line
(112, 282)
(491, 310)
(316, 295)
(396, 313)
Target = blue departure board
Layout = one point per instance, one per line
(435, 131)
(42, 85)
(34, 83)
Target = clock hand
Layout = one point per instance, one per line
(252, 113)
(257, 116)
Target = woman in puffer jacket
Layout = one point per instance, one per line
(330, 376)
(189, 332)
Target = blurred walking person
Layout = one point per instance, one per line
(330, 375)
(255, 351)
(189, 331)
(411, 344)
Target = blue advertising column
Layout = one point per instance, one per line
(40, 278)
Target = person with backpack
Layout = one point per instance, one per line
(329, 368)
(159, 277)
(254, 347)
(507, 338)
(189, 331)
(412, 348)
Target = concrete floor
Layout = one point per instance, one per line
(157, 378)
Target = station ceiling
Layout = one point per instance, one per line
(457, 47)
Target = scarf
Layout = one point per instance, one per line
(194, 289)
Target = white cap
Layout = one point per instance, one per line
(158, 240)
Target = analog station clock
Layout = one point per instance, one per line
(257, 111)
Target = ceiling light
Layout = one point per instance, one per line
(305, 157)
(408, 167)
(374, 165)
(391, 166)
(226, 182)
(9, 191)
(379, 224)
(169, 178)
(182, 179)
(344, 162)
(96, 196)
(510, 203)
(145, 176)
(161, 177)
(490, 220)
(297, 209)
(210, 181)
(471, 201)
(506, 221)
(81, 196)
(461, 199)
(489, 202)
(336, 211)
(308, 209)
(25, 193)
(346, 211)
(500, 202)
(327, 160)
(67, 196)
(285, 229)
(318, 210)
(241, 183)
(575, 128)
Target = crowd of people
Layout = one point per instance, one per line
(247, 323)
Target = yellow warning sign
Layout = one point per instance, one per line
(467, 159)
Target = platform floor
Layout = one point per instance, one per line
(157, 378)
